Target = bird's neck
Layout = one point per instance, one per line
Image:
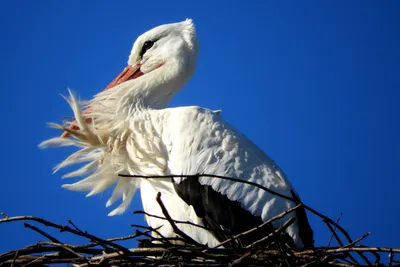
(156, 98)
(124, 100)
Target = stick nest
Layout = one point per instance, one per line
(183, 251)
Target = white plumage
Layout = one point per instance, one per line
(126, 129)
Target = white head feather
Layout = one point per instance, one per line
(167, 66)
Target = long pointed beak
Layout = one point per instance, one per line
(129, 73)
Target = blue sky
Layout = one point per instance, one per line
(314, 83)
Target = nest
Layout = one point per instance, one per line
(182, 250)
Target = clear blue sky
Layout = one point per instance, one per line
(314, 83)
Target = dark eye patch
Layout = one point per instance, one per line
(146, 46)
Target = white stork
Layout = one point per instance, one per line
(127, 129)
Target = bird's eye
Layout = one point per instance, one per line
(146, 46)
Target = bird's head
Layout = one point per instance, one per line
(162, 60)
(169, 50)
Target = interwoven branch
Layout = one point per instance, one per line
(181, 250)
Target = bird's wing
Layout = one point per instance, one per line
(200, 142)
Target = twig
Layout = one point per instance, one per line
(16, 253)
(63, 228)
(210, 176)
(328, 222)
(239, 260)
(151, 229)
(334, 229)
(162, 239)
(278, 244)
(277, 217)
(127, 237)
(357, 240)
(177, 221)
(76, 227)
(171, 222)
(278, 231)
(338, 240)
(354, 249)
(34, 228)
(352, 244)
(66, 248)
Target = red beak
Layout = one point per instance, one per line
(129, 73)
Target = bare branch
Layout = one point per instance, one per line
(63, 228)
(34, 228)
(277, 217)
(171, 222)
(333, 232)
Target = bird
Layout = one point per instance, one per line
(127, 129)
